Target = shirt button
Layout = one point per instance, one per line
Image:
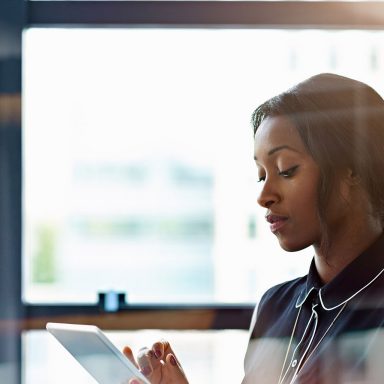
(294, 362)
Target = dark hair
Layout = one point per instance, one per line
(341, 122)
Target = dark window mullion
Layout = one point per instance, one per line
(235, 14)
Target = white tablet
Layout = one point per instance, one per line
(96, 353)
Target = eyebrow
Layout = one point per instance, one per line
(279, 148)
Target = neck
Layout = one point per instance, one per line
(341, 252)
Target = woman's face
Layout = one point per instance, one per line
(290, 179)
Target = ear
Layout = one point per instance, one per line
(349, 183)
(352, 178)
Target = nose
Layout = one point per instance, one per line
(268, 195)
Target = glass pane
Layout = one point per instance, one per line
(138, 164)
(204, 355)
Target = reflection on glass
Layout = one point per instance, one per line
(138, 169)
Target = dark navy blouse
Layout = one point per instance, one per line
(307, 332)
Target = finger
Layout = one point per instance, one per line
(135, 381)
(158, 350)
(173, 370)
(145, 358)
(161, 349)
(127, 351)
(149, 356)
(174, 361)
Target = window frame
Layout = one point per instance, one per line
(210, 14)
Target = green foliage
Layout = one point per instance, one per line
(43, 268)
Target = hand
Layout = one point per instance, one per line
(159, 364)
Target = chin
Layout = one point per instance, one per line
(293, 246)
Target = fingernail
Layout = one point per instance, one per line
(146, 370)
(158, 353)
(134, 381)
(173, 360)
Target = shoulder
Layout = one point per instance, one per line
(276, 305)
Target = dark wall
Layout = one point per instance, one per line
(11, 22)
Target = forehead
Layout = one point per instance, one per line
(275, 132)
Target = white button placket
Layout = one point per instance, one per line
(296, 361)
(314, 316)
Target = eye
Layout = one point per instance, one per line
(261, 179)
(289, 172)
(261, 174)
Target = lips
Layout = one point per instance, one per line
(276, 221)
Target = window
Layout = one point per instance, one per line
(138, 164)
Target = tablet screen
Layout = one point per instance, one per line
(96, 353)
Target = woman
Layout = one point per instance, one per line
(319, 152)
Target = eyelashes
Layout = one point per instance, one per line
(261, 179)
(289, 172)
(286, 173)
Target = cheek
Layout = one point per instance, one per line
(305, 196)
(339, 208)
(305, 229)
(311, 201)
